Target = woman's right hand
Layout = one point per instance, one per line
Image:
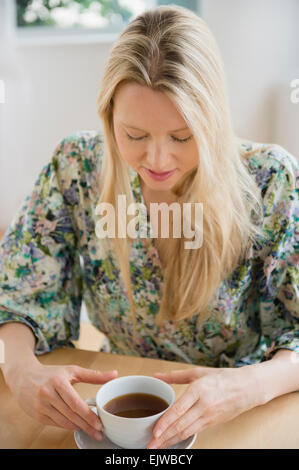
(45, 393)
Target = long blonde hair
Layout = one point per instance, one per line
(171, 49)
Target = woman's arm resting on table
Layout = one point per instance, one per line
(217, 395)
(41, 287)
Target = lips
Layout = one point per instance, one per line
(159, 176)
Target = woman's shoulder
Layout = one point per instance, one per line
(276, 172)
(77, 160)
(81, 144)
(269, 162)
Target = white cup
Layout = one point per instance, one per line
(130, 433)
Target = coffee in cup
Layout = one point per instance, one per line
(126, 394)
(136, 405)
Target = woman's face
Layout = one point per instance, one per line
(164, 143)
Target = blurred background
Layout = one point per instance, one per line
(53, 52)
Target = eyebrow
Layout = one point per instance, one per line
(137, 129)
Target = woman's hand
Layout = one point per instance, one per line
(215, 395)
(46, 394)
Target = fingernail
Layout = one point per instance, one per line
(98, 436)
(158, 433)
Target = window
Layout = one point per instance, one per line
(104, 15)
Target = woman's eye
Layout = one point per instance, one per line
(174, 138)
(135, 138)
(182, 141)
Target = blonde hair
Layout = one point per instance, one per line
(171, 49)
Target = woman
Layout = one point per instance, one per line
(230, 306)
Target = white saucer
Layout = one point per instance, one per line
(84, 441)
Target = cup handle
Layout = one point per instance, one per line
(91, 401)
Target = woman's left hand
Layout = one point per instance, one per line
(215, 395)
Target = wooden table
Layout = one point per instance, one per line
(271, 426)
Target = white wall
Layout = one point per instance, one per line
(54, 88)
(60, 87)
(259, 43)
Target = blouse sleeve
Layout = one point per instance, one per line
(40, 273)
(279, 283)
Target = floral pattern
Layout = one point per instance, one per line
(51, 260)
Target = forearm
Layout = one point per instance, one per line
(18, 343)
(277, 376)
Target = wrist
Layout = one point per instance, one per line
(13, 368)
(276, 376)
(255, 384)
(19, 343)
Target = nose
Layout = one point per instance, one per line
(159, 159)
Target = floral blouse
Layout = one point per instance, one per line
(51, 261)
